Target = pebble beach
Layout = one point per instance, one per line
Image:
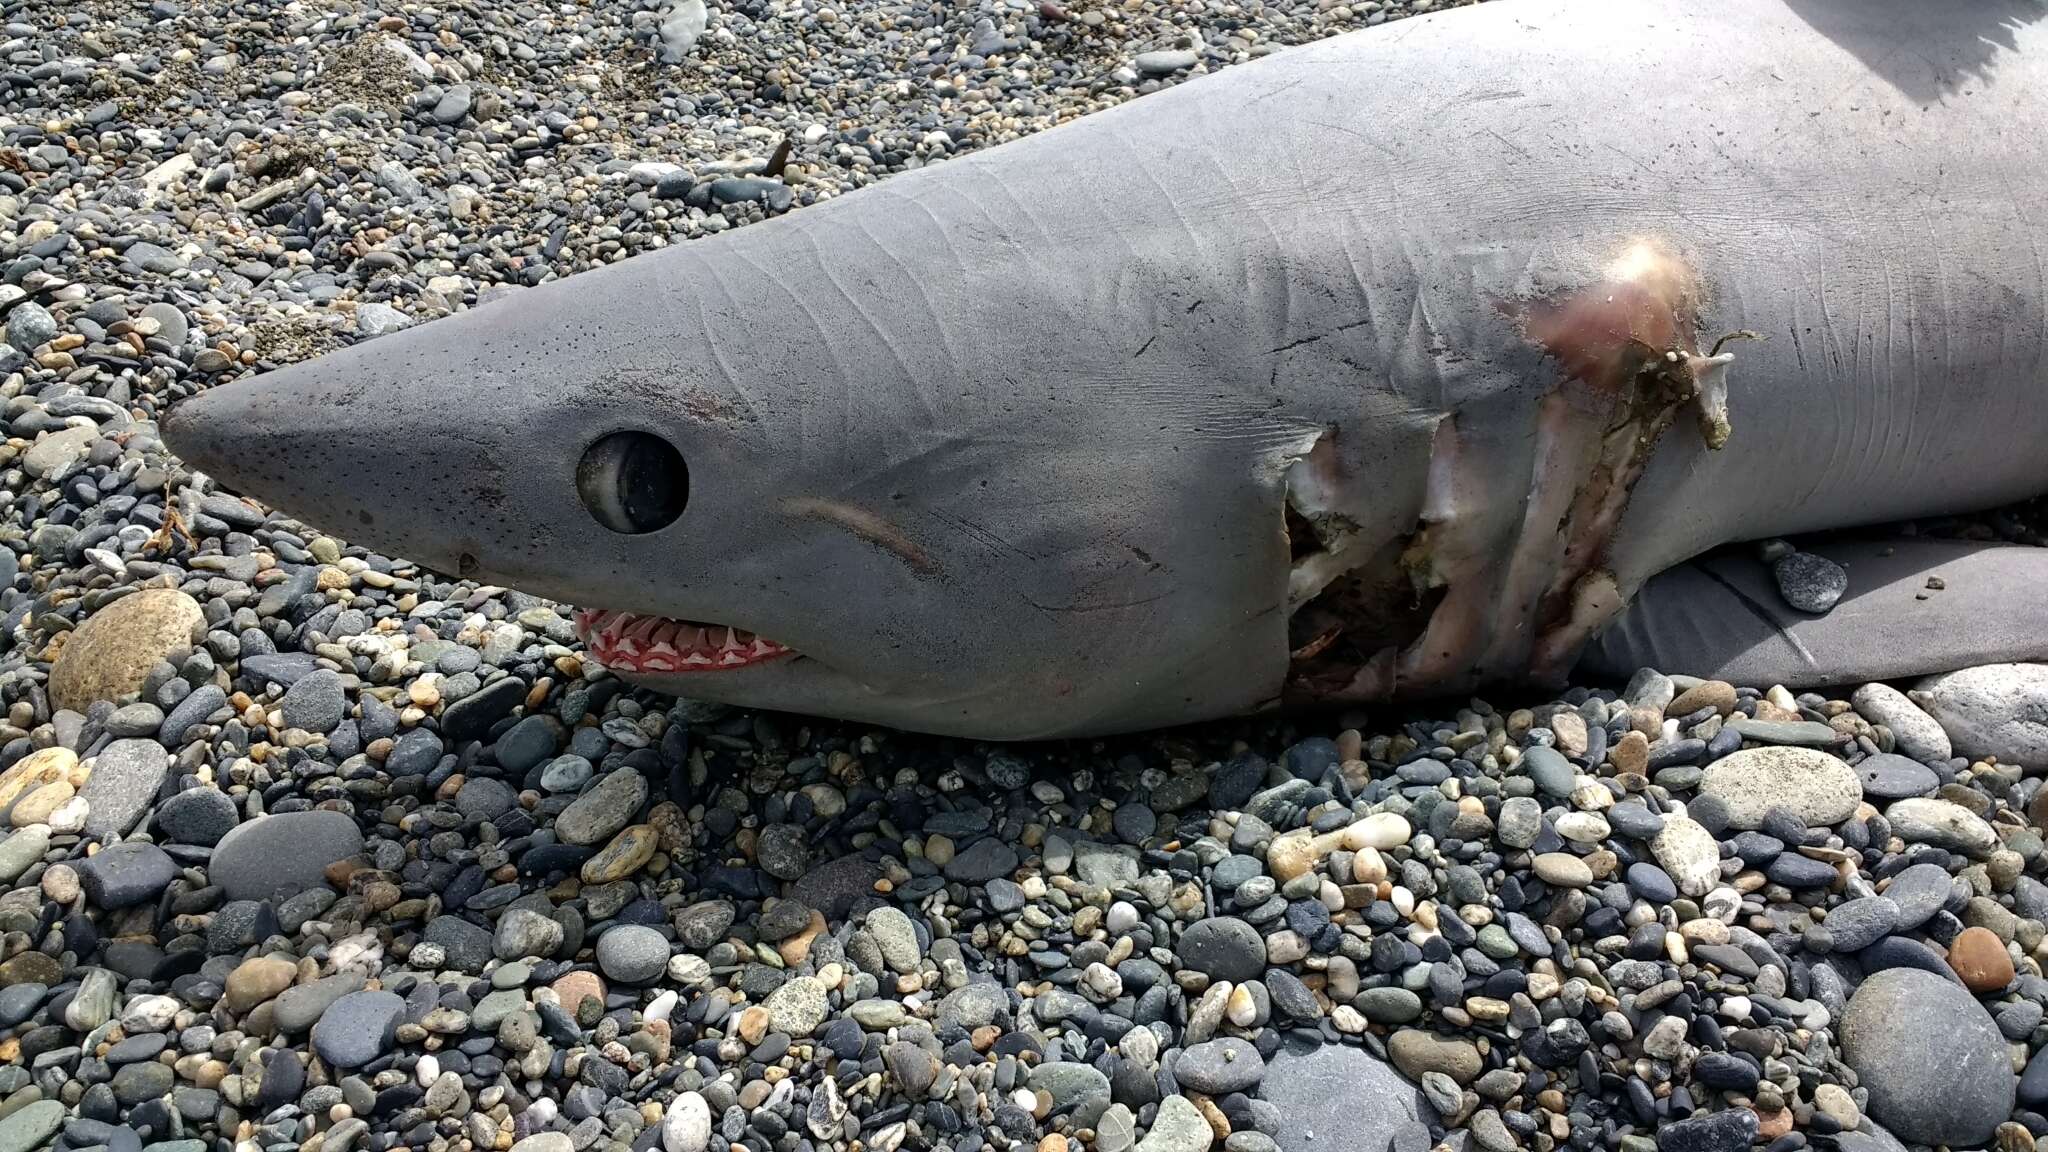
(304, 848)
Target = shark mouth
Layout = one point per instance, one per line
(630, 642)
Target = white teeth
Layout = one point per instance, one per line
(628, 641)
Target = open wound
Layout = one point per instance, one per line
(1471, 594)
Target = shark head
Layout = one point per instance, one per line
(853, 462)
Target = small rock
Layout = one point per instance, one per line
(1980, 958)
(1917, 734)
(1810, 583)
(358, 1028)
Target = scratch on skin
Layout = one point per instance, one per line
(1083, 609)
(1293, 344)
(866, 525)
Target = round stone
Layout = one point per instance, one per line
(199, 816)
(126, 778)
(111, 653)
(482, 798)
(608, 806)
(784, 851)
(1810, 583)
(315, 703)
(1857, 924)
(1932, 1059)
(628, 852)
(1820, 789)
(128, 874)
(1980, 959)
(1333, 1096)
(358, 1027)
(633, 954)
(798, 1007)
(687, 1125)
(1223, 948)
(1415, 1052)
(1925, 820)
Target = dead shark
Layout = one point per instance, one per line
(1394, 364)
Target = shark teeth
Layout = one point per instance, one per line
(630, 642)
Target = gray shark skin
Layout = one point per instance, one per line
(1386, 366)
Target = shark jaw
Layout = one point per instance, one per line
(630, 643)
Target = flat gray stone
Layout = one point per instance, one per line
(358, 1027)
(593, 817)
(282, 854)
(1890, 776)
(124, 782)
(1338, 1097)
(29, 1126)
(1932, 1059)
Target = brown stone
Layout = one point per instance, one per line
(627, 853)
(1772, 1124)
(30, 968)
(798, 947)
(1630, 754)
(258, 979)
(36, 769)
(110, 655)
(575, 987)
(36, 807)
(1719, 693)
(1570, 729)
(753, 1024)
(1979, 957)
(671, 827)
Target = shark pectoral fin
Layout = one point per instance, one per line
(1914, 607)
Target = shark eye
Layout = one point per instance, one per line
(633, 482)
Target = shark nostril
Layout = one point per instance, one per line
(633, 482)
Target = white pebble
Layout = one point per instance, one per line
(687, 1126)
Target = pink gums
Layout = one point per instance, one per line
(626, 642)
